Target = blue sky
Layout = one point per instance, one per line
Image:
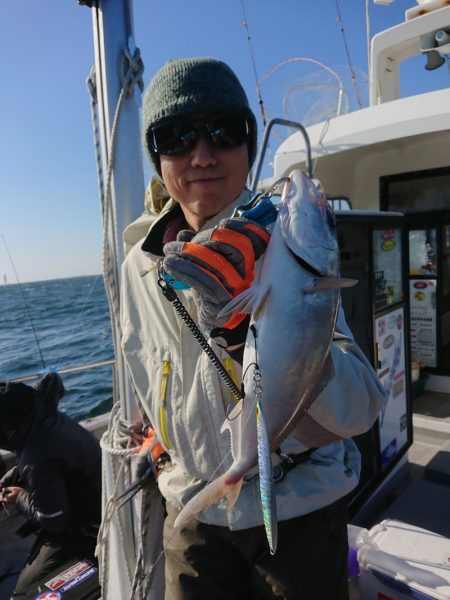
(49, 207)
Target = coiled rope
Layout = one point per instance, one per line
(115, 442)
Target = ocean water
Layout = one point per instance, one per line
(71, 321)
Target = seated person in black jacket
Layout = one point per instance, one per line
(57, 481)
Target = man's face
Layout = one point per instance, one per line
(206, 179)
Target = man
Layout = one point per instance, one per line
(200, 137)
(56, 483)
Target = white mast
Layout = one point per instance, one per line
(118, 112)
(113, 41)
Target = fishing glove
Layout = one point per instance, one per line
(218, 264)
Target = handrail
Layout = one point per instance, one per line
(262, 151)
(74, 369)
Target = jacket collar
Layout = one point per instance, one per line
(173, 215)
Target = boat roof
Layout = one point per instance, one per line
(397, 121)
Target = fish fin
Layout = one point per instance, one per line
(329, 283)
(232, 494)
(260, 308)
(250, 300)
(338, 337)
(232, 414)
(212, 492)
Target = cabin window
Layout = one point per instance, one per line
(418, 191)
(339, 202)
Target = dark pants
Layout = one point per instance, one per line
(205, 561)
(49, 552)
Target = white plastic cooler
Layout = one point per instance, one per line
(400, 561)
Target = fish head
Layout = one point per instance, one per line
(308, 224)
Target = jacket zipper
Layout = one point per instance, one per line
(163, 406)
(229, 368)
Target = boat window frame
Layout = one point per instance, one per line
(386, 180)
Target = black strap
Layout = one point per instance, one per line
(289, 461)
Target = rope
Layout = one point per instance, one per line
(117, 436)
(139, 580)
(108, 271)
(131, 69)
(115, 441)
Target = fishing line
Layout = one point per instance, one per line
(369, 58)
(27, 310)
(252, 56)
(347, 51)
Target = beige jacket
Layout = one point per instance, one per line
(186, 401)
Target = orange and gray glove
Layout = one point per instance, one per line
(218, 264)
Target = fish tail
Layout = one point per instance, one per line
(212, 492)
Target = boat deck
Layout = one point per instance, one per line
(420, 492)
(420, 496)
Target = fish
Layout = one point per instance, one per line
(293, 305)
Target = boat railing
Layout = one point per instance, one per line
(96, 425)
(69, 369)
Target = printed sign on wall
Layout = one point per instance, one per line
(390, 340)
(387, 260)
(422, 295)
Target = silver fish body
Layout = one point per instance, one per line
(294, 306)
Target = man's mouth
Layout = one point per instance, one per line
(205, 179)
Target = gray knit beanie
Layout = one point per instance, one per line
(194, 85)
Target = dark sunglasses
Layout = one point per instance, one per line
(180, 137)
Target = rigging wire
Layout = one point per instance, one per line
(255, 72)
(347, 51)
(368, 37)
(27, 309)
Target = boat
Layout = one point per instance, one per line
(351, 154)
(388, 166)
(357, 156)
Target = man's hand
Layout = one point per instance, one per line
(218, 263)
(8, 495)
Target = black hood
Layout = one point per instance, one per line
(17, 407)
(21, 405)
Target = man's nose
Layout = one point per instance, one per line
(203, 154)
